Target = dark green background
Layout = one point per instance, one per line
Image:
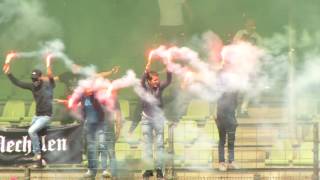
(119, 32)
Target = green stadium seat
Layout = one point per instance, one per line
(179, 154)
(6, 89)
(198, 110)
(13, 112)
(21, 94)
(304, 155)
(32, 109)
(280, 155)
(125, 109)
(121, 150)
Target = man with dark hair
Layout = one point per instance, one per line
(42, 90)
(152, 120)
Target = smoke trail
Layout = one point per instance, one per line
(25, 20)
(305, 61)
(212, 45)
(200, 78)
(104, 88)
(55, 48)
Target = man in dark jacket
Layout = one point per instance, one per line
(42, 90)
(153, 119)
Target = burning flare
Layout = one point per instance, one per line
(48, 60)
(9, 58)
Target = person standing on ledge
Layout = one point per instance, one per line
(152, 120)
(42, 90)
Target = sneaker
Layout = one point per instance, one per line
(43, 162)
(233, 165)
(147, 174)
(106, 174)
(36, 157)
(159, 174)
(89, 174)
(222, 166)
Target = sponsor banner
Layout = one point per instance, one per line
(59, 145)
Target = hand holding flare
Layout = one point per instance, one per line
(48, 64)
(6, 66)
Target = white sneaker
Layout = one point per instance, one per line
(89, 174)
(222, 166)
(233, 165)
(106, 174)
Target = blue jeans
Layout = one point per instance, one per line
(37, 124)
(99, 134)
(148, 125)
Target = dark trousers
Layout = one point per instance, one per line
(226, 131)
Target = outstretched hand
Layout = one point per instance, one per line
(115, 69)
(6, 68)
(62, 101)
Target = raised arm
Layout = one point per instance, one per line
(144, 80)
(105, 74)
(19, 83)
(145, 75)
(166, 83)
(14, 80)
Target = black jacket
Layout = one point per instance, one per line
(42, 94)
(226, 108)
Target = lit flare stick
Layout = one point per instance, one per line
(157, 53)
(9, 58)
(70, 102)
(48, 60)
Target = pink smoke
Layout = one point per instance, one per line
(240, 62)
(106, 91)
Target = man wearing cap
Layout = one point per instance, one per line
(42, 90)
